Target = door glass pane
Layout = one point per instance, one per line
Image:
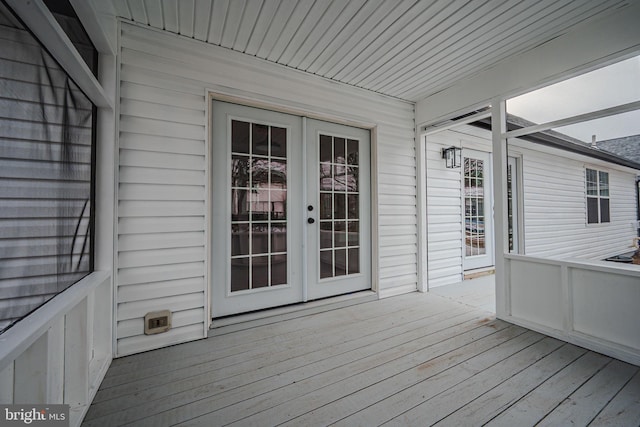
(278, 142)
(260, 139)
(341, 262)
(259, 238)
(326, 234)
(258, 206)
(352, 152)
(239, 274)
(278, 269)
(239, 205)
(239, 137)
(259, 272)
(339, 242)
(354, 260)
(326, 264)
(240, 239)
(339, 178)
(326, 148)
(326, 177)
(339, 150)
(339, 205)
(474, 214)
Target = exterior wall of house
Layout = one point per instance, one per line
(554, 201)
(163, 191)
(555, 222)
(444, 203)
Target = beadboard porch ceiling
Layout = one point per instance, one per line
(408, 49)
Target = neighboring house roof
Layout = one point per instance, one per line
(567, 143)
(627, 147)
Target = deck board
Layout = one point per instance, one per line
(497, 399)
(624, 409)
(416, 359)
(585, 403)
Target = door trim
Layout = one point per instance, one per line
(244, 98)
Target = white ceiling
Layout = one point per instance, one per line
(403, 48)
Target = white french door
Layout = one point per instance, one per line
(338, 220)
(477, 193)
(290, 211)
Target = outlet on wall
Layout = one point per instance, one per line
(157, 322)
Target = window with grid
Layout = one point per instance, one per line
(597, 196)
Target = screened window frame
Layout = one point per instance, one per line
(597, 196)
(92, 140)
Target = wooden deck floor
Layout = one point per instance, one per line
(416, 359)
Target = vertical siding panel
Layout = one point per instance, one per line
(162, 122)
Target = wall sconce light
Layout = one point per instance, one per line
(452, 157)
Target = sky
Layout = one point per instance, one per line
(603, 88)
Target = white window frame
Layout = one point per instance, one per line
(598, 196)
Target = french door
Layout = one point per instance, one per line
(338, 211)
(478, 210)
(290, 209)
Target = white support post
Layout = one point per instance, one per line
(498, 129)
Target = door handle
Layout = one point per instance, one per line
(311, 220)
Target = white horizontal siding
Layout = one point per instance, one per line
(555, 222)
(554, 204)
(444, 212)
(162, 188)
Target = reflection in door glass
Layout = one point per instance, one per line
(474, 214)
(339, 242)
(258, 206)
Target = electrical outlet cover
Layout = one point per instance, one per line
(157, 322)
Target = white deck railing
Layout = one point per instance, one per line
(60, 352)
(593, 304)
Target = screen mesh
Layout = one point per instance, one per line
(46, 158)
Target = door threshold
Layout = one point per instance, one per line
(479, 272)
(239, 322)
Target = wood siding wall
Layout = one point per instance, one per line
(163, 192)
(554, 204)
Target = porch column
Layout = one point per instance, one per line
(499, 152)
